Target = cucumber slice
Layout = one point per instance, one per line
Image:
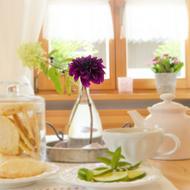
(101, 172)
(111, 176)
(135, 174)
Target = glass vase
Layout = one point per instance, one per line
(84, 124)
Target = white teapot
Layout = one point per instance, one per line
(172, 118)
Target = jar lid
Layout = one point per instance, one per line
(17, 91)
(168, 105)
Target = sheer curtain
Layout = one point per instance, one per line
(155, 20)
(21, 21)
(88, 20)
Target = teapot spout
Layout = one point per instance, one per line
(137, 118)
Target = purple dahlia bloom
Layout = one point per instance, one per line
(88, 69)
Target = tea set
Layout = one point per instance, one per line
(163, 134)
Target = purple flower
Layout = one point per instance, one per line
(156, 60)
(175, 60)
(88, 69)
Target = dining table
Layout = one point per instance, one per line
(176, 171)
(175, 176)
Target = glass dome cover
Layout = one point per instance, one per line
(22, 121)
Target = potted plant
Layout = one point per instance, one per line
(166, 68)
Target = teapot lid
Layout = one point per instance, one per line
(168, 105)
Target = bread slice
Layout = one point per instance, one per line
(21, 167)
(9, 137)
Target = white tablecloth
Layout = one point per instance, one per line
(55, 183)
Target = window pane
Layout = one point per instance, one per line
(140, 57)
(67, 50)
(154, 28)
(103, 52)
(80, 28)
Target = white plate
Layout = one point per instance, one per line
(70, 176)
(20, 182)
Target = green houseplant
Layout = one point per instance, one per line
(165, 68)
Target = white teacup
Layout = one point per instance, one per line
(139, 143)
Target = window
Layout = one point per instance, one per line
(154, 28)
(82, 27)
(125, 33)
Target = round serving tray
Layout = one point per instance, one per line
(73, 155)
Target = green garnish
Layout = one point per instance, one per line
(115, 169)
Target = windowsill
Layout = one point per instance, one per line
(114, 95)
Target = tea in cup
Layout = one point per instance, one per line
(139, 143)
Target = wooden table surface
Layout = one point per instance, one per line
(178, 172)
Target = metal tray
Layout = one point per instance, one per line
(73, 155)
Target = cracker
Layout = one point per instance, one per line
(9, 137)
(21, 167)
(22, 132)
(28, 126)
(27, 151)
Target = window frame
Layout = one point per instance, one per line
(118, 58)
(150, 83)
(43, 84)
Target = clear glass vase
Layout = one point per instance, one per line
(85, 126)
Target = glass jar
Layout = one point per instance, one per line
(22, 122)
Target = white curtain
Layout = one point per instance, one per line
(155, 20)
(21, 21)
(89, 20)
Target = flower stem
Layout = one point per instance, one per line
(90, 109)
(91, 116)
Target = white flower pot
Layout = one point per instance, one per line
(165, 82)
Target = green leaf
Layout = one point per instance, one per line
(51, 53)
(44, 68)
(85, 174)
(55, 77)
(101, 168)
(177, 67)
(82, 173)
(135, 166)
(115, 158)
(123, 163)
(110, 153)
(104, 160)
(68, 83)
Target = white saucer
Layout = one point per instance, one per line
(20, 182)
(70, 177)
